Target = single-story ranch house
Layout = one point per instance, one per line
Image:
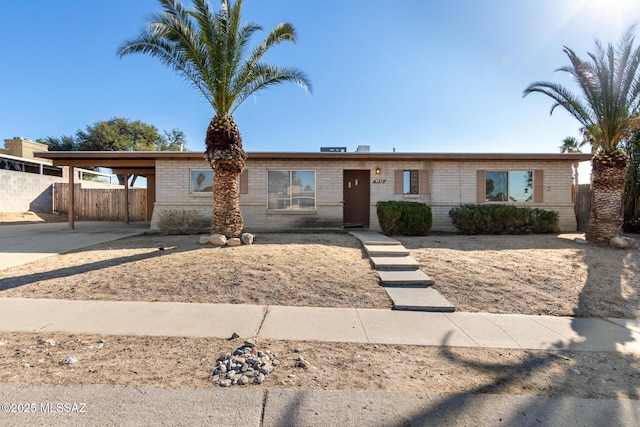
(289, 191)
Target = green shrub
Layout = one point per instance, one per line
(503, 219)
(404, 218)
(180, 222)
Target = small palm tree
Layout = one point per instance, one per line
(607, 109)
(211, 50)
(571, 145)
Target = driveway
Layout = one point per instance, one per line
(23, 243)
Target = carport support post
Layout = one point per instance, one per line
(71, 197)
(126, 198)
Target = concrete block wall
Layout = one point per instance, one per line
(22, 192)
(452, 183)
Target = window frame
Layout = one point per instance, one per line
(191, 182)
(290, 207)
(507, 182)
(410, 182)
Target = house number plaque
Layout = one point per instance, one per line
(379, 181)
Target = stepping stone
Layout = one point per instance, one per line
(419, 299)
(414, 278)
(394, 263)
(373, 238)
(386, 250)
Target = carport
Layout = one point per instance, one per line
(142, 163)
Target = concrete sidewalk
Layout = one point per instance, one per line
(23, 243)
(320, 324)
(137, 406)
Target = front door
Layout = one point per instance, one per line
(356, 198)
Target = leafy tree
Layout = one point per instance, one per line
(607, 108)
(174, 140)
(64, 143)
(120, 134)
(211, 51)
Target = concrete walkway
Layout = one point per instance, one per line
(320, 324)
(400, 275)
(20, 244)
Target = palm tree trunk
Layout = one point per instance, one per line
(227, 158)
(607, 182)
(226, 216)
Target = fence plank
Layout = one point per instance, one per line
(101, 204)
(583, 205)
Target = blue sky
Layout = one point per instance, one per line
(414, 75)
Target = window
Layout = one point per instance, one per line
(291, 190)
(509, 186)
(411, 182)
(201, 181)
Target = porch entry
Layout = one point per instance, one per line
(356, 198)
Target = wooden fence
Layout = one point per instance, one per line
(101, 204)
(583, 205)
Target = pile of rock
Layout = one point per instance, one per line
(221, 240)
(246, 365)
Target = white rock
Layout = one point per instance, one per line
(247, 238)
(234, 242)
(259, 379)
(217, 240)
(69, 360)
(619, 243)
(204, 239)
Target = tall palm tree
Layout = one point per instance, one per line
(211, 50)
(607, 109)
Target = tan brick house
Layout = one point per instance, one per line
(335, 190)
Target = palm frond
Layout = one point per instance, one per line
(607, 104)
(211, 50)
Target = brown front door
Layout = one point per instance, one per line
(356, 198)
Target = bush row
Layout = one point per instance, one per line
(503, 219)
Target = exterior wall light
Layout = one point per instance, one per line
(377, 171)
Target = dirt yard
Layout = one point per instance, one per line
(189, 362)
(501, 274)
(535, 274)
